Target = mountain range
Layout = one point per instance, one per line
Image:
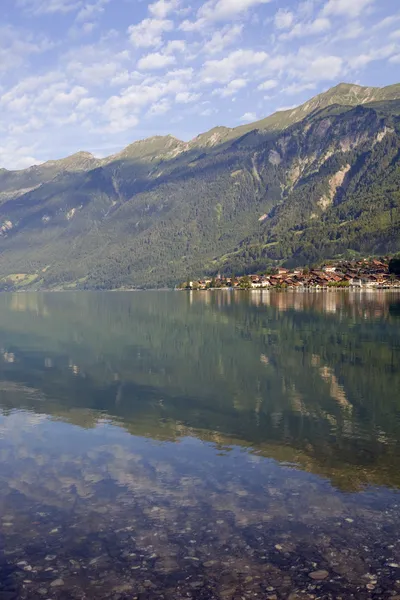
(318, 181)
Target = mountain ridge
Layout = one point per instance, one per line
(351, 94)
(313, 182)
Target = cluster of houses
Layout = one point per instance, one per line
(362, 273)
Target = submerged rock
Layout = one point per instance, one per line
(319, 575)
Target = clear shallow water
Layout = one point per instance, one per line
(208, 445)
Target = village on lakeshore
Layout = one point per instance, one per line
(366, 273)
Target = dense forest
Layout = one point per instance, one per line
(294, 189)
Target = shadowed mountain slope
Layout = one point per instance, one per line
(301, 185)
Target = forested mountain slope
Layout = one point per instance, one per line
(314, 182)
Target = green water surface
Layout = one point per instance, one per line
(200, 445)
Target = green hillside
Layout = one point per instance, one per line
(315, 182)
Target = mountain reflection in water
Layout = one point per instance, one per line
(200, 445)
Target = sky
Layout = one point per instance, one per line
(97, 75)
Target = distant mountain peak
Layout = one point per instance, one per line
(79, 160)
(346, 86)
(168, 146)
(346, 94)
(211, 138)
(154, 146)
(155, 138)
(82, 154)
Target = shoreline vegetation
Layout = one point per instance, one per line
(373, 274)
(368, 273)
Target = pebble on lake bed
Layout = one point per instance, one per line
(57, 583)
(319, 575)
(370, 586)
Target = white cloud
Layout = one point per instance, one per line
(152, 94)
(96, 64)
(186, 97)
(307, 8)
(220, 10)
(39, 7)
(248, 117)
(90, 11)
(31, 85)
(149, 32)
(207, 112)
(43, 98)
(283, 19)
(159, 108)
(190, 26)
(323, 68)
(96, 74)
(23, 162)
(119, 125)
(20, 103)
(155, 61)
(303, 67)
(18, 46)
(32, 124)
(126, 76)
(183, 75)
(222, 38)
(231, 89)
(360, 61)
(297, 88)
(386, 22)
(131, 100)
(41, 104)
(87, 104)
(224, 70)
(346, 8)
(88, 27)
(162, 8)
(69, 97)
(351, 31)
(175, 46)
(17, 157)
(270, 84)
(319, 25)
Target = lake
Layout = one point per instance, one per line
(210, 445)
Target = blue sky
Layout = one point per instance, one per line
(98, 74)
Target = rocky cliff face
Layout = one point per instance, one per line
(340, 187)
(314, 182)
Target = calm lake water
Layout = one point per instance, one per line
(212, 445)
